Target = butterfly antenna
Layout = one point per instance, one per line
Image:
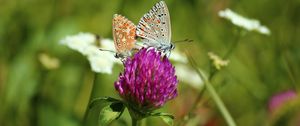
(107, 50)
(193, 62)
(185, 40)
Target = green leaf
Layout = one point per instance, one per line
(102, 100)
(118, 107)
(110, 113)
(167, 118)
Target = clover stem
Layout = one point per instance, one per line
(134, 121)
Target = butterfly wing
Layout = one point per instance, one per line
(123, 34)
(155, 27)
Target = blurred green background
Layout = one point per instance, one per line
(260, 66)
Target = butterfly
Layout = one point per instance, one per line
(154, 28)
(124, 34)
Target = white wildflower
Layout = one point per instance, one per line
(217, 61)
(248, 24)
(176, 55)
(101, 61)
(86, 44)
(188, 75)
(80, 42)
(107, 44)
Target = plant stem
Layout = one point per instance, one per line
(214, 71)
(39, 96)
(211, 89)
(91, 95)
(218, 100)
(234, 45)
(134, 122)
(289, 69)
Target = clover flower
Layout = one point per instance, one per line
(279, 99)
(248, 24)
(148, 80)
(88, 45)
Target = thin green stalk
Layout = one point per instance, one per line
(134, 122)
(135, 114)
(289, 69)
(218, 100)
(213, 72)
(39, 96)
(214, 95)
(233, 46)
(91, 95)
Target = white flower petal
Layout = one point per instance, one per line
(107, 44)
(188, 75)
(85, 43)
(264, 30)
(177, 56)
(248, 24)
(80, 42)
(101, 62)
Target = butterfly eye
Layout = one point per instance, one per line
(172, 46)
(117, 55)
